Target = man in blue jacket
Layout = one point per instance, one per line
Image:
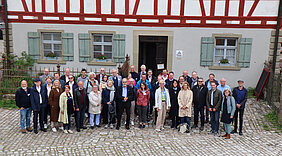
(240, 95)
(143, 79)
(38, 100)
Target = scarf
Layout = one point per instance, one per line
(112, 93)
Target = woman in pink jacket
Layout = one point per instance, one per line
(143, 97)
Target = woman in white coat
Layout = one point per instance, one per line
(95, 106)
(185, 98)
(162, 105)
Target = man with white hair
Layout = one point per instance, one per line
(223, 85)
(186, 77)
(116, 78)
(100, 76)
(66, 76)
(143, 70)
(44, 76)
(135, 75)
(89, 84)
(194, 79)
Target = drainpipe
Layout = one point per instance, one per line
(7, 30)
(276, 37)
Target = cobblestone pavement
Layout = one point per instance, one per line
(255, 140)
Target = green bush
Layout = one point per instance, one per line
(8, 104)
(251, 92)
(273, 119)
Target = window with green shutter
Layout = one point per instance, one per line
(68, 46)
(245, 49)
(84, 42)
(34, 45)
(207, 49)
(51, 45)
(119, 48)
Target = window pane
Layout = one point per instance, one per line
(230, 52)
(97, 38)
(96, 54)
(107, 38)
(47, 46)
(57, 47)
(220, 42)
(46, 36)
(46, 52)
(231, 60)
(108, 48)
(219, 52)
(97, 48)
(58, 53)
(108, 55)
(231, 42)
(57, 36)
(217, 59)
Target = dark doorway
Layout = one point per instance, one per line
(153, 51)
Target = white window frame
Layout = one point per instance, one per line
(52, 42)
(102, 44)
(225, 47)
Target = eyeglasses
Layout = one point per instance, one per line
(70, 77)
(200, 81)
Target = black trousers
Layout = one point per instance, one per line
(175, 120)
(120, 108)
(241, 113)
(80, 117)
(47, 112)
(197, 111)
(105, 114)
(41, 115)
(207, 114)
(152, 104)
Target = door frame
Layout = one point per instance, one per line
(137, 33)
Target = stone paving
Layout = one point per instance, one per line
(255, 141)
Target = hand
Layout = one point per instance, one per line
(168, 108)
(98, 104)
(21, 108)
(62, 112)
(214, 109)
(184, 107)
(210, 109)
(231, 117)
(157, 109)
(108, 103)
(238, 105)
(77, 109)
(125, 99)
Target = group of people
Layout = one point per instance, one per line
(103, 99)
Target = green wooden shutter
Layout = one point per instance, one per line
(207, 48)
(84, 47)
(68, 49)
(119, 48)
(245, 49)
(34, 45)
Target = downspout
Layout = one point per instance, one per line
(7, 30)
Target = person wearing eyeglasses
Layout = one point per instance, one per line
(100, 76)
(72, 84)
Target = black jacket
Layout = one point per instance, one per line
(78, 99)
(63, 77)
(217, 99)
(74, 86)
(23, 98)
(168, 83)
(173, 95)
(243, 98)
(35, 99)
(135, 76)
(199, 96)
(119, 96)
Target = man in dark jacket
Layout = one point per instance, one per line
(170, 79)
(213, 101)
(240, 95)
(152, 79)
(124, 96)
(199, 99)
(23, 102)
(38, 100)
(134, 74)
(81, 102)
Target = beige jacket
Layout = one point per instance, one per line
(185, 98)
(94, 100)
(63, 104)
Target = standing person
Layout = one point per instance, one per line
(90, 83)
(169, 81)
(240, 94)
(227, 111)
(152, 79)
(66, 76)
(173, 94)
(116, 79)
(143, 97)
(199, 99)
(103, 83)
(132, 107)
(22, 98)
(124, 96)
(44, 76)
(38, 99)
(213, 101)
(100, 76)
(143, 70)
(95, 106)
(185, 98)
(181, 81)
(223, 85)
(143, 79)
(129, 76)
(81, 101)
(62, 82)
(72, 84)
(66, 109)
(48, 88)
(156, 85)
(162, 105)
(53, 100)
(109, 104)
(186, 77)
(194, 79)
(83, 76)
(208, 84)
(164, 75)
(135, 75)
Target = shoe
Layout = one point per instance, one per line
(211, 132)
(45, 126)
(217, 134)
(194, 126)
(61, 128)
(29, 129)
(106, 126)
(140, 126)
(233, 132)
(187, 131)
(157, 130)
(225, 135)
(23, 130)
(127, 127)
(70, 131)
(207, 120)
(143, 126)
(162, 128)
(83, 127)
(202, 128)
(43, 130)
(78, 130)
(125, 122)
(132, 123)
(111, 126)
(98, 126)
(240, 133)
(86, 115)
(35, 131)
(65, 131)
(92, 127)
(172, 126)
(54, 129)
(117, 127)
(228, 136)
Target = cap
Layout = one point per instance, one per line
(240, 81)
(36, 80)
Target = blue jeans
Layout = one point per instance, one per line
(67, 126)
(80, 118)
(187, 120)
(214, 121)
(25, 118)
(96, 118)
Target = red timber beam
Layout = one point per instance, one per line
(226, 11)
(113, 7)
(126, 7)
(33, 5)
(98, 7)
(253, 7)
(55, 6)
(241, 10)
(43, 6)
(155, 7)
(212, 8)
(136, 7)
(202, 6)
(24, 6)
(169, 7)
(68, 6)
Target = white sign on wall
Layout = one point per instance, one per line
(179, 53)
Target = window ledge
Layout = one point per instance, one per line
(102, 63)
(225, 68)
(50, 62)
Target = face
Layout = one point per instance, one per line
(194, 75)
(46, 71)
(80, 84)
(241, 83)
(132, 68)
(71, 78)
(185, 87)
(67, 90)
(200, 82)
(150, 73)
(131, 82)
(171, 76)
(174, 84)
(105, 78)
(222, 82)
(159, 78)
(164, 72)
(181, 79)
(56, 77)
(185, 73)
(49, 81)
(67, 71)
(38, 83)
(162, 85)
(56, 84)
(83, 73)
(226, 93)
(102, 71)
(143, 77)
(95, 89)
(129, 76)
(114, 72)
(143, 68)
(124, 83)
(211, 77)
(213, 86)
(91, 76)
(110, 84)
(24, 84)
(142, 86)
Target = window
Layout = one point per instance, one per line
(103, 44)
(225, 52)
(52, 46)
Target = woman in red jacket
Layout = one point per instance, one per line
(143, 97)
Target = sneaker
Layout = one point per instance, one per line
(217, 134)
(70, 131)
(61, 128)
(45, 126)
(211, 132)
(202, 128)
(140, 126)
(240, 133)
(106, 126)
(194, 126)
(157, 130)
(54, 129)
(233, 132)
(111, 126)
(65, 131)
(92, 127)
(143, 126)
(162, 128)
(132, 123)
